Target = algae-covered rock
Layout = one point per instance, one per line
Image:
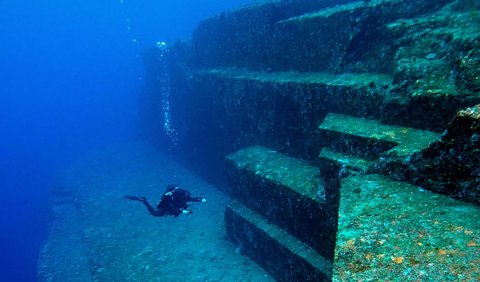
(468, 67)
(390, 230)
(450, 165)
(287, 191)
(269, 73)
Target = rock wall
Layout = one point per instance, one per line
(450, 164)
(269, 74)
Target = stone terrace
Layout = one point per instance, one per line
(358, 89)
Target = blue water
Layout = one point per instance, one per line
(70, 74)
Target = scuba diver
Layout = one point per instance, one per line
(173, 202)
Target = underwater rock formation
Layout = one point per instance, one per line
(450, 165)
(362, 90)
(252, 77)
(348, 133)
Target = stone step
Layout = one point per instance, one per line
(449, 165)
(361, 93)
(321, 78)
(390, 10)
(429, 73)
(220, 40)
(348, 164)
(316, 41)
(314, 33)
(424, 60)
(320, 40)
(279, 253)
(287, 191)
(390, 229)
(368, 138)
(461, 27)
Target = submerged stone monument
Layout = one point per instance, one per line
(347, 131)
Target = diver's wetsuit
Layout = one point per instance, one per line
(173, 202)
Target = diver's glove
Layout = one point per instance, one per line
(186, 211)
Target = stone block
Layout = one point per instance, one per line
(347, 164)
(279, 253)
(450, 164)
(370, 139)
(286, 191)
(242, 38)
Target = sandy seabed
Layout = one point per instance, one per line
(99, 236)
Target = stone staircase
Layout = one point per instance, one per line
(299, 60)
(283, 255)
(300, 35)
(347, 93)
(423, 64)
(323, 39)
(287, 220)
(355, 144)
(368, 227)
(359, 93)
(283, 219)
(239, 38)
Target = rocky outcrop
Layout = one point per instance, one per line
(265, 75)
(450, 165)
(361, 91)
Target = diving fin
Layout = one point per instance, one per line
(135, 198)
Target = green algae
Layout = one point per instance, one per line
(391, 229)
(408, 140)
(280, 169)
